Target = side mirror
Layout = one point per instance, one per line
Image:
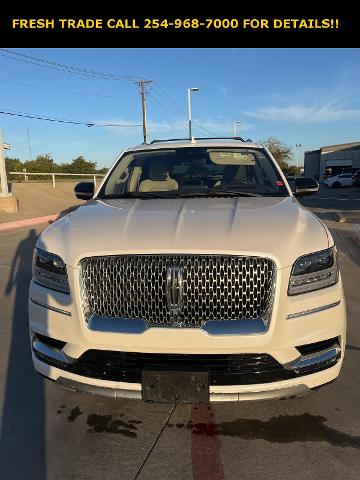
(84, 190)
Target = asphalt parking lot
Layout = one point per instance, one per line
(50, 433)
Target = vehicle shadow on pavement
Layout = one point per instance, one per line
(22, 439)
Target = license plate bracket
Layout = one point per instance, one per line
(175, 387)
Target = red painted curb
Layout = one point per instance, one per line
(205, 444)
(28, 222)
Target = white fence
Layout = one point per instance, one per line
(53, 175)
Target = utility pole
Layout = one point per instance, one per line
(142, 84)
(298, 146)
(4, 186)
(8, 203)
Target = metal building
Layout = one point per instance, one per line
(332, 160)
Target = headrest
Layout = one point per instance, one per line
(158, 171)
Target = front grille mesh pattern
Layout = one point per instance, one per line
(215, 287)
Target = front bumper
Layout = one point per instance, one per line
(297, 387)
(58, 316)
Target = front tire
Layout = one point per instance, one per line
(336, 185)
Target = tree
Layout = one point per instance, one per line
(102, 171)
(80, 165)
(293, 170)
(280, 151)
(43, 164)
(13, 165)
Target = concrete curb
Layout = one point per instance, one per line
(28, 222)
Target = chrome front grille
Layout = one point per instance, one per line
(212, 287)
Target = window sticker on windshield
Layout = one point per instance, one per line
(232, 158)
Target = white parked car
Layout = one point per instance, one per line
(192, 274)
(342, 180)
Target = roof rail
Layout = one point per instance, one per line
(240, 139)
(168, 140)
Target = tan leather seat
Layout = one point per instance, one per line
(159, 179)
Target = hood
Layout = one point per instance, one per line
(278, 228)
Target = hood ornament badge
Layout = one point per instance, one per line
(174, 287)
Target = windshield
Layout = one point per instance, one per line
(192, 172)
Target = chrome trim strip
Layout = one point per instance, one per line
(73, 385)
(49, 307)
(325, 356)
(313, 310)
(51, 352)
(255, 326)
(284, 392)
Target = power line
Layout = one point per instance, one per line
(161, 92)
(180, 118)
(174, 105)
(96, 74)
(40, 62)
(60, 120)
(61, 91)
(165, 109)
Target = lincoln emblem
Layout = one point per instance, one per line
(174, 287)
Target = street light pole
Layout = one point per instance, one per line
(192, 89)
(235, 123)
(298, 146)
(29, 144)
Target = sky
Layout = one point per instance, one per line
(302, 96)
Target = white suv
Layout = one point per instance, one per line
(192, 274)
(342, 180)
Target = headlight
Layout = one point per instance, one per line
(314, 271)
(50, 271)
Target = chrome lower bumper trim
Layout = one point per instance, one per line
(97, 390)
(278, 393)
(312, 310)
(328, 356)
(254, 326)
(51, 352)
(49, 307)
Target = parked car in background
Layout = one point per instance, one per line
(337, 181)
(356, 179)
(301, 185)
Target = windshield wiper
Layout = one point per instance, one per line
(134, 195)
(175, 194)
(220, 193)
